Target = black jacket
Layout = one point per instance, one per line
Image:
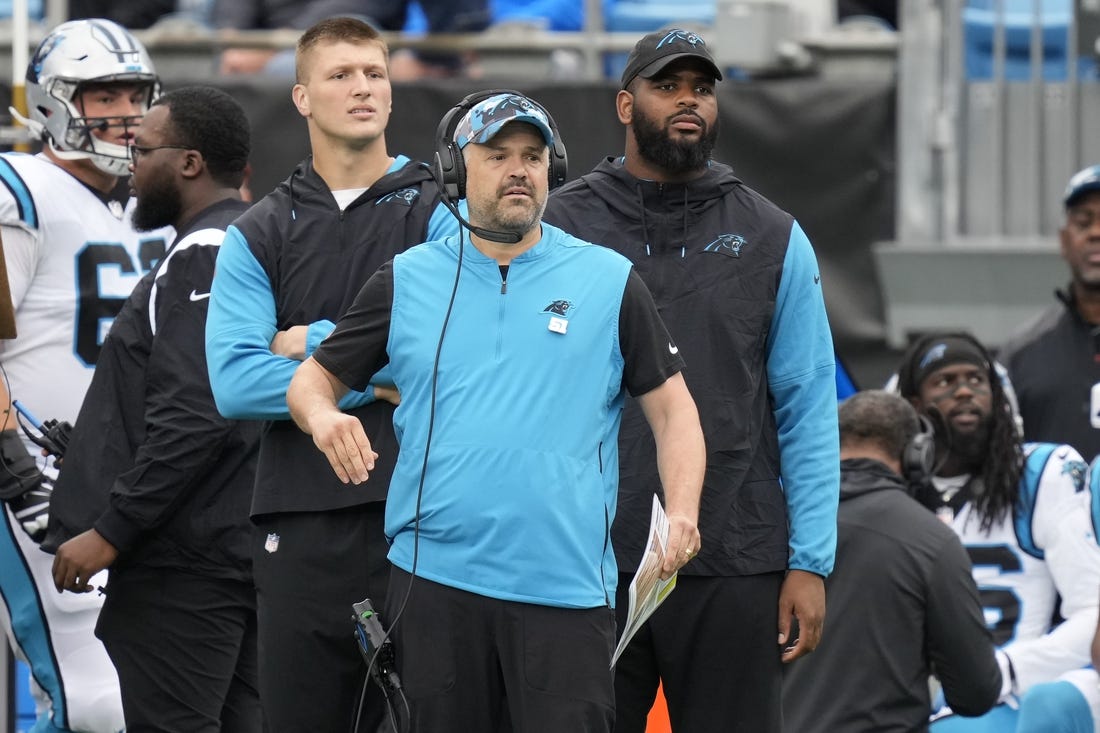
(316, 258)
(1054, 363)
(151, 465)
(902, 605)
(742, 517)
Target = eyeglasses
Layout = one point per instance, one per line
(136, 151)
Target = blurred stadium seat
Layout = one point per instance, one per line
(643, 16)
(980, 21)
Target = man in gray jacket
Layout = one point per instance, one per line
(902, 602)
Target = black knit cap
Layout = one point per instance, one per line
(660, 48)
(935, 352)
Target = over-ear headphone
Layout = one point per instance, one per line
(918, 459)
(450, 168)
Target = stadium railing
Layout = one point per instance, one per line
(991, 124)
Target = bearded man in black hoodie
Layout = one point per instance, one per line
(737, 283)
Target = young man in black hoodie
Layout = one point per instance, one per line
(902, 602)
(287, 271)
(737, 284)
(155, 483)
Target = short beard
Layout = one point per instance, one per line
(972, 448)
(516, 226)
(657, 147)
(496, 220)
(158, 206)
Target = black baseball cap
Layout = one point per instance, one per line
(1083, 182)
(660, 48)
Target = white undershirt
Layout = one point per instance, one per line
(346, 195)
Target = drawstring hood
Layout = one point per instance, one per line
(307, 260)
(713, 254)
(305, 188)
(645, 229)
(641, 208)
(290, 194)
(664, 212)
(684, 232)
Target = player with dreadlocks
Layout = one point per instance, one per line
(1023, 514)
(993, 451)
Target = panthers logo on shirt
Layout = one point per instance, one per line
(406, 196)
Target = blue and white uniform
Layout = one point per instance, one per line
(1045, 552)
(72, 259)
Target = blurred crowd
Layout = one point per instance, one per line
(414, 17)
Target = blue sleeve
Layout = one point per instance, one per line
(249, 381)
(1093, 484)
(802, 381)
(317, 332)
(443, 223)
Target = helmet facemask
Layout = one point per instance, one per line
(76, 56)
(79, 140)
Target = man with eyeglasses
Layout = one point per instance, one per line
(156, 483)
(138, 151)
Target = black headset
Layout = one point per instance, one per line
(449, 166)
(918, 459)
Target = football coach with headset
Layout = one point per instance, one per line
(513, 357)
(902, 602)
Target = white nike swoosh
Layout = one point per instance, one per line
(198, 296)
(673, 349)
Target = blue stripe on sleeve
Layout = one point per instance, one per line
(443, 223)
(28, 212)
(1034, 465)
(802, 380)
(317, 332)
(248, 381)
(21, 595)
(1093, 485)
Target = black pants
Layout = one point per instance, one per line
(713, 643)
(185, 650)
(472, 663)
(309, 568)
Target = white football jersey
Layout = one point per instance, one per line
(68, 280)
(71, 262)
(1045, 551)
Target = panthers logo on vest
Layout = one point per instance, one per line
(727, 244)
(558, 307)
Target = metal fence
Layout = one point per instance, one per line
(985, 141)
(998, 102)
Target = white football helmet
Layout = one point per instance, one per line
(74, 54)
